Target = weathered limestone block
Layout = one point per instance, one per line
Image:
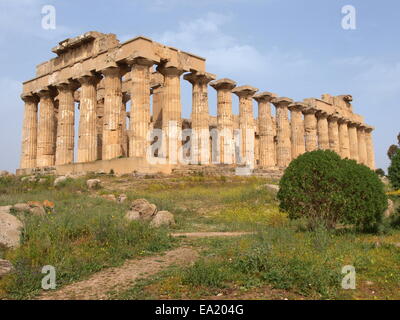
(362, 144)
(87, 143)
(267, 153)
(246, 123)
(140, 106)
(297, 129)
(200, 138)
(284, 147)
(370, 147)
(46, 142)
(29, 132)
(323, 132)
(310, 128)
(10, 229)
(171, 112)
(353, 139)
(333, 128)
(112, 120)
(162, 218)
(344, 140)
(225, 119)
(65, 123)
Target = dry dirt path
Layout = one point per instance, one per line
(99, 285)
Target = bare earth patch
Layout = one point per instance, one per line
(99, 285)
(209, 234)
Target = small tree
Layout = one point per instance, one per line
(394, 170)
(380, 172)
(392, 151)
(327, 190)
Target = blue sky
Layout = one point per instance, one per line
(295, 48)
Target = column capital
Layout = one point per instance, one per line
(67, 85)
(47, 92)
(170, 70)
(334, 117)
(134, 59)
(199, 77)
(368, 128)
(297, 106)
(33, 98)
(265, 96)
(361, 126)
(321, 114)
(343, 120)
(282, 102)
(89, 77)
(223, 83)
(112, 71)
(353, 124)
(245, 91)
(309, 110)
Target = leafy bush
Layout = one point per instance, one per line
(394, 170)
(380, 172)
(328, 190)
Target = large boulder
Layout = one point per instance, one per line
(122, 198)
(5, 267)
(59, 181)
(93, 183)
(36, 208)
(163, 218)
(10, 230)
(132, 215)
(146, 210)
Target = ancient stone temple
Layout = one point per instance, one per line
(95, 78)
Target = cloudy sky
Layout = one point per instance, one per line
(295, 48)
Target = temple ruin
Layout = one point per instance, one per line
(101, 75)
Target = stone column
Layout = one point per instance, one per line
(171, 112)
(100, 125)
(46, 142)
(200, 138)
(310, 128)
(246, 123)
(225, 119)
(112, 120)
(297, 129)
(140, 106)
(370, 147)
(266, 129)
(344, 142)
(125, 133)
(66, 123)
(87, 142)
(333, 129)
(353, 140)
(323, 132)
(29, 132)
(284, 147)
(362, 144)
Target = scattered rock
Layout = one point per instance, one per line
(4, 173)
(93, 183)
(146, 210)
(110, 197)
(163, 218)
(272, 187)
(48, 204)
(5, 267)
(132, 215)
(385, 180)
(397, 244)
(390, 210)
(36, 208)
(122, 198)
(29, 179)
(10, 230)
(60, 180)
(369, 283)
(21, 207)
(5, 209)
(42, 180)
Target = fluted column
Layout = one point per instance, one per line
(140, 106)
(225, 119)
(200, 138)
(171, 112)
(370, 147)
(344, 140)
(353, 140)
(284, 154)
(246, 123)
(266, 130)
(87, 141)
(297, 129)
(362, 144)
(323, 132)
(46, 142)
(310, 129)
(333, 129)
(66, 123)
(29, 132)
(112, 120)
(157, 106)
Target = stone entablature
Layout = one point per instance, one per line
(102, 75)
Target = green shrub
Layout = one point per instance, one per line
(328, 190)
(394, 170)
